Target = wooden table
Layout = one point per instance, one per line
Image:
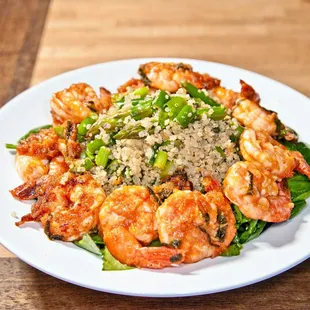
(41, 38)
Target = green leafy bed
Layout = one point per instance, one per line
(247, 229)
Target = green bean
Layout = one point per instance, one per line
(160, 101)
(218, 113)
(87, 164)
(90, 155)
(186, 116)
(141, 111)
(197, 93)
(94, 145)
(142, 91)
(175, 105)
(129, 133)
(102, 157)
(10, 146)
(161, 160)
(82, 127)
(33, 131)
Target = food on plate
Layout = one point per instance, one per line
(172, 168)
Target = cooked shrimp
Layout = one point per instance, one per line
(224, 96)
(261, 147)
(272, 155)
(168, 76)
(254, 190)
(248, 92)
(68, 205)
(74, 104)
(105, 98)
(192, 222)
(252, 115)
(128, 222)
(33, 155)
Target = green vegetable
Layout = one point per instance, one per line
(94, 145)
(232, 250)
(88, 244)
(118, 100)
(141, 110)
(221, 151)
(168, 170)
(162, 98)
(163, 116)
(155, 244)
(236, 136)
(218, 113)
(129, 133)
(299, 186)
(88, 164)
(142, 91)
(102, 157)
(33, 131)
(113, 165)
(82, 127)
(97, 239)
(198, 93)
(298, 207)
(160, 160)
(11, 146)
(60, 130)
(174, 106)
(300, 147)
(111, 263)
(186, 116)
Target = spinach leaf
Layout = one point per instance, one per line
(300, 147)
(111, 263)
(87, 243)
(232, 250)
(298, 207)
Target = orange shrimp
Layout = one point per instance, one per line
(128, 223)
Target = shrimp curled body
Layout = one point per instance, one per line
(68, 205)
(254, 190)
(189, 221)
(128, 223)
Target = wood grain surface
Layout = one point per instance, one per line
(269, 37)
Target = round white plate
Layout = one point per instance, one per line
(281, 247)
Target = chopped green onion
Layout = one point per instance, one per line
(198, 93)
(186, 116)
(94, 145)
(161, 160)
(142, 91)
(102, 157)
(162, 98)
(11, 146)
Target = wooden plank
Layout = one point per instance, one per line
(269, 37)
(21, 24)
(26, 288)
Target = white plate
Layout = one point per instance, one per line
(279, 248)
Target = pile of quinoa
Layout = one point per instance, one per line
(204, 148)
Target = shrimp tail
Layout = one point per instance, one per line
(302, 166)
(125, 247)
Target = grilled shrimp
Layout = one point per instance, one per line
(74, 104)
(272, 155)
(105, 98)
(201, 226)
(254, 190)
(68, 205)
(252, 115)
(168, 76)
(33, 155)
(128, 223)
